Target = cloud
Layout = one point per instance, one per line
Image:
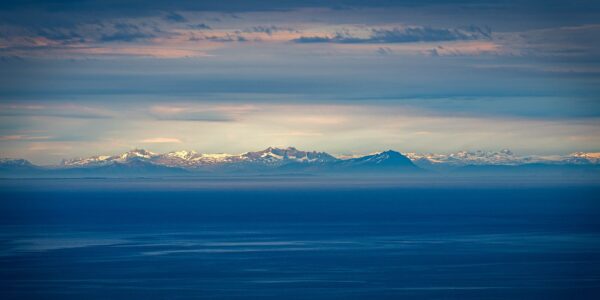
(61, 34)
(408, 34)
(125, 32)
(299, 134)
(427, 34)
(49, 146)
(269, 30)
(175, 17)
(141, 7)
(162, 140)
(568, 41)
(236, 37)
(23, 138)
(138, 51)
(384, 51)
(314, 39)
(222, 113)
(466, 49)
(59, 111)
(199, 26)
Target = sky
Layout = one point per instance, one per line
(82, 78)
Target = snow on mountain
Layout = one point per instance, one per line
(270, 156)
(383, 161)
(186, 155)
(502, 157)
(101, 160)
(389, 156)
(137, 153)
(583, 157)
(193, 159)
(140, 162)
(273, 155)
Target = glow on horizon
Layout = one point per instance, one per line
(339, 129)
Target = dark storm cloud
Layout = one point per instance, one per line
(404, 35)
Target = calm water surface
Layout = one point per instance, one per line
(301, 243)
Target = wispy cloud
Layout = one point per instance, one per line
(235, 76)
(298, 134)
(125, 32)
(206, 113)
(269, 30)
(199, 26)
(464, 49)
(406, 34)
(175, 17)
(50, 146)
(161, 140)
(23, 138)
(563, 41)
(55, 110)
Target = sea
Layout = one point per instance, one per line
(297, 239)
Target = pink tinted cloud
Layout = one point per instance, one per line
(161, 140)
(23, 138)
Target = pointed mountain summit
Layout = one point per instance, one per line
(388, 157)
(386, 161)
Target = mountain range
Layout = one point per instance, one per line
(502, 157)
(140, 162)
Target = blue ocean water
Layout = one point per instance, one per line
(300, 243)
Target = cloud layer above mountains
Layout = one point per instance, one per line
(348, 75)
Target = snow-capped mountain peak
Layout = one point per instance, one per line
(274, 156)
(289, 154)
(389, 156)
(502, 157)
(141, 153)
(192, 159)
(135, 154)
(591, 157)
(184, 154)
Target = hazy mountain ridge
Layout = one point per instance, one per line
(502, 157)
(192, 159)
(278, 156)
(140, 162)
